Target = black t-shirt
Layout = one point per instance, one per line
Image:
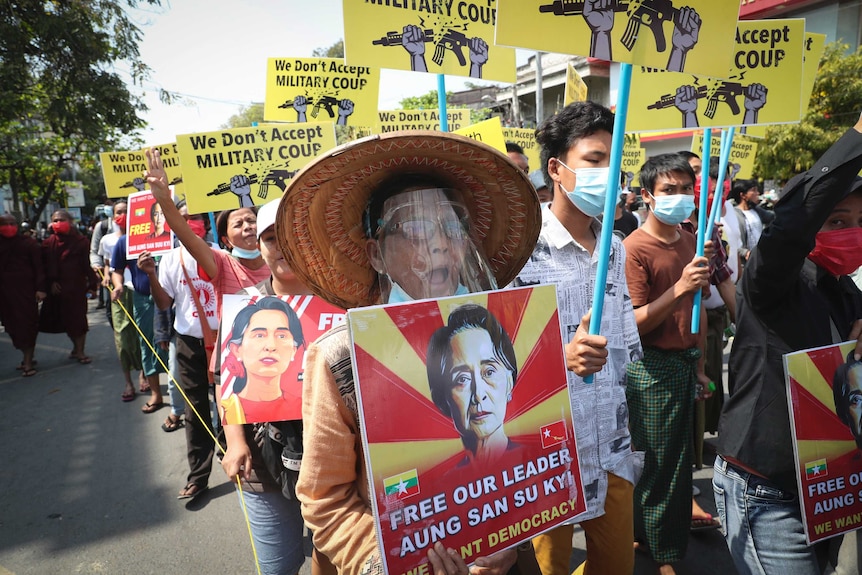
(626, 224)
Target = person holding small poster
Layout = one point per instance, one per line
(795, 294)
(407, 216)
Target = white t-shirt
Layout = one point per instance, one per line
(729, 233)
(173, 281)
(106, 251)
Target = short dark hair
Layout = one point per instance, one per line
(688, 155)
(839, 390)
(513, 147)
(561, 131)
(739, 187)
(439, 357)
(221, 222)
(661, 165)
(153, 211)
(243, 318)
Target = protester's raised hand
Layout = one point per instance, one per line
(146, 263)
(586, 354)
(156, 176)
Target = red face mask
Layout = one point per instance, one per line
(120, 220)
(198, 227)
(725, 190)
(839, 252)
(61, 227)
(8, 230)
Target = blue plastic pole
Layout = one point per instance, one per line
(213, 227)
(611, 200)
(723, 159)
(441, 102)
(701, 220)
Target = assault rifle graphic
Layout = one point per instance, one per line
(727, 93)
(272, 178)
(394, 38)
(451, 40)
(327, 102)
(223, 188)
(651, 13)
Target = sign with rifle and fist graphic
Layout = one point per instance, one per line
(123, 172)
(246, 167)
(320, 89)
(683, 36)
(443, 37)
(763, 85)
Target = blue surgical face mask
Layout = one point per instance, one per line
(673, 210)
(591, 188)
(245, 254)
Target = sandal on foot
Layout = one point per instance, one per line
(190, 491)
(172, 423)
(152, 407)
(145, 388)
(20, 366)
(84, 359)
(128, 396)
(29, 372)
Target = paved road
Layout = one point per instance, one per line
(88, 484)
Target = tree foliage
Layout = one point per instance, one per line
(334, 51)
(429, 101)
(835, 106)
(61, 99)
(247, 116)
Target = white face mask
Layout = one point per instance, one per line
(674, 209)
(591, 188)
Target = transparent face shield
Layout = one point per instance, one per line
(425, 248)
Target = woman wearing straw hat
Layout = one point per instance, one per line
(385, 219)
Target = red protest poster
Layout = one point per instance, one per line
(146, 227)
(824, 387)
(466, 423)
(263, 343)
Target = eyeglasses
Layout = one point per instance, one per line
(424, 230)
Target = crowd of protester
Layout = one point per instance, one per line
(772, 281)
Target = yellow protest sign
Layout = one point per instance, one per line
(814, 44)
(680, 35)
(320, 89)
(576, 88)
(634, 157)
(247, 166)
(397, 120)
(764, 85)
(526, 138)
(171, 158)
(440, 36)
(488, 132)
(123, 172)
(742, 153)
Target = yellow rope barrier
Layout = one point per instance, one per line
(205, 423)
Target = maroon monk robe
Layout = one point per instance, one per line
(67, 262)
(21, 276)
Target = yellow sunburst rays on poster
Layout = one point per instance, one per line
(802, 368)
(818, 449)
(546, 412)
(540, 308)
(386, 343)
(389, 458)
(447, 306)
